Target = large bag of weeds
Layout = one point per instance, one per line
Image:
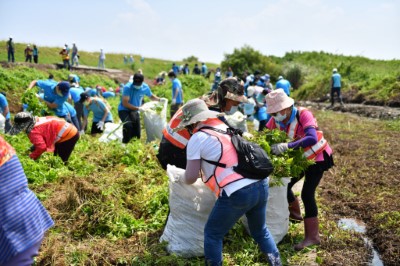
(277, 216)
(111, 132)
(190, 206)
(155, 119)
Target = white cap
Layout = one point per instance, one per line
(10, 37)
(28, 45)
(111, 89)
(280, 77)
(334, 70)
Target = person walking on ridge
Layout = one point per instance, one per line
(335, 84)
(102, 58)
(10, 50)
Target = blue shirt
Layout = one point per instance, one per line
(177, 86)
(71, 109)
(108, 94)
(336, 81)
(23, 218)
(3, 105)
(51, 96)
(135, 95)
(175, 69)
(204, 69)
(98, 107)
(76, 93)
(283, 84)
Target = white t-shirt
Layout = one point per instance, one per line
(202, 145)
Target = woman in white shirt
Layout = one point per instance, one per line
(237, 195)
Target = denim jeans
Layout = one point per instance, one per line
(250, 200)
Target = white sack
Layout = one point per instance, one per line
(154, 122)
(111, 132)
(190, 206)
(2, 123)
(277, 216)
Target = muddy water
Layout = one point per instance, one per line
(358, 226)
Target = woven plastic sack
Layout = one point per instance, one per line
(111, 132)
(277, 215)
(155, 119)
(190, 206)
(2, 123)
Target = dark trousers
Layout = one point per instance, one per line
(95, 129)
(65, 148)
(28, 58)
(66, 64)
(35, 59)
(337, 91)
(131, 127)
(174, 108)
(313, 176)
(11, 55)
(79, 113)
(7, 126)
(262, 125)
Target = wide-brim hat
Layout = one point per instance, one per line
(277, 100)
(195, 111)
(22, 121)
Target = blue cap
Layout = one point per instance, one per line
(63, 86)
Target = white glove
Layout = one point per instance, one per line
(173, 101)
(82, 132)
(279, 148)
(247, 135)
(100, 125)
(175, 174)
(163, 100)
(141, 109)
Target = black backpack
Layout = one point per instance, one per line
(253, 161)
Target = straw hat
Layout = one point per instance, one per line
(277, 100)
(195, 111)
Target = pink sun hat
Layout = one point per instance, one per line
(277, 100)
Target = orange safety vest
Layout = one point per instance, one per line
(65, 129)
(312, 151)
(6, 151)
(222, 176)
(179, 138)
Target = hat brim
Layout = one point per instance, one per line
(203, 116)
(17, 128)
(279, 107)
(237, 98)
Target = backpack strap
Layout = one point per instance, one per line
(219, 131)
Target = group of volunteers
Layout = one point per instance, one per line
(193, 140)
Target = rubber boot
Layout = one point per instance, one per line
(311, 234)
(274, 259)
(295, 212)
(341, 102)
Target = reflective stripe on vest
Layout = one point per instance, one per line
(49, 119)
(179, 138)
(312, 151)
(222, 176)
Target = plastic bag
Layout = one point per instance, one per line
(277, 216)
(155, 119)
(190, 206)
(237, 121)
(2, 123)
(111, 132)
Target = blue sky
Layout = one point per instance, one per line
(176, 29)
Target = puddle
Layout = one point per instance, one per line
(358, 226)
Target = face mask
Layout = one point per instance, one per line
(232, 110)
(86, 103)
(137, 87)
(59, 93)
(279, 117)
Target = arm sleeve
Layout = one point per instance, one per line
(309, 139)
(40, 145)
(192, 171)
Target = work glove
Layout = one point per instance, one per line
(173, 101)
(82, 132)
(163, 100)
(100, 125)
(279, 148)
(141, 109)
(175, 174)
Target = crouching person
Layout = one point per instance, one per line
(23, 218)
(237, 195)
(47, 134)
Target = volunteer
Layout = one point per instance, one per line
(237, 195)
(177, 93)
(75, 92)
(55, 95)
(47, 134)
(101, 113)
(129, 107)
(172, 148)
(23, 218)
(301, 127)
(5, 111)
